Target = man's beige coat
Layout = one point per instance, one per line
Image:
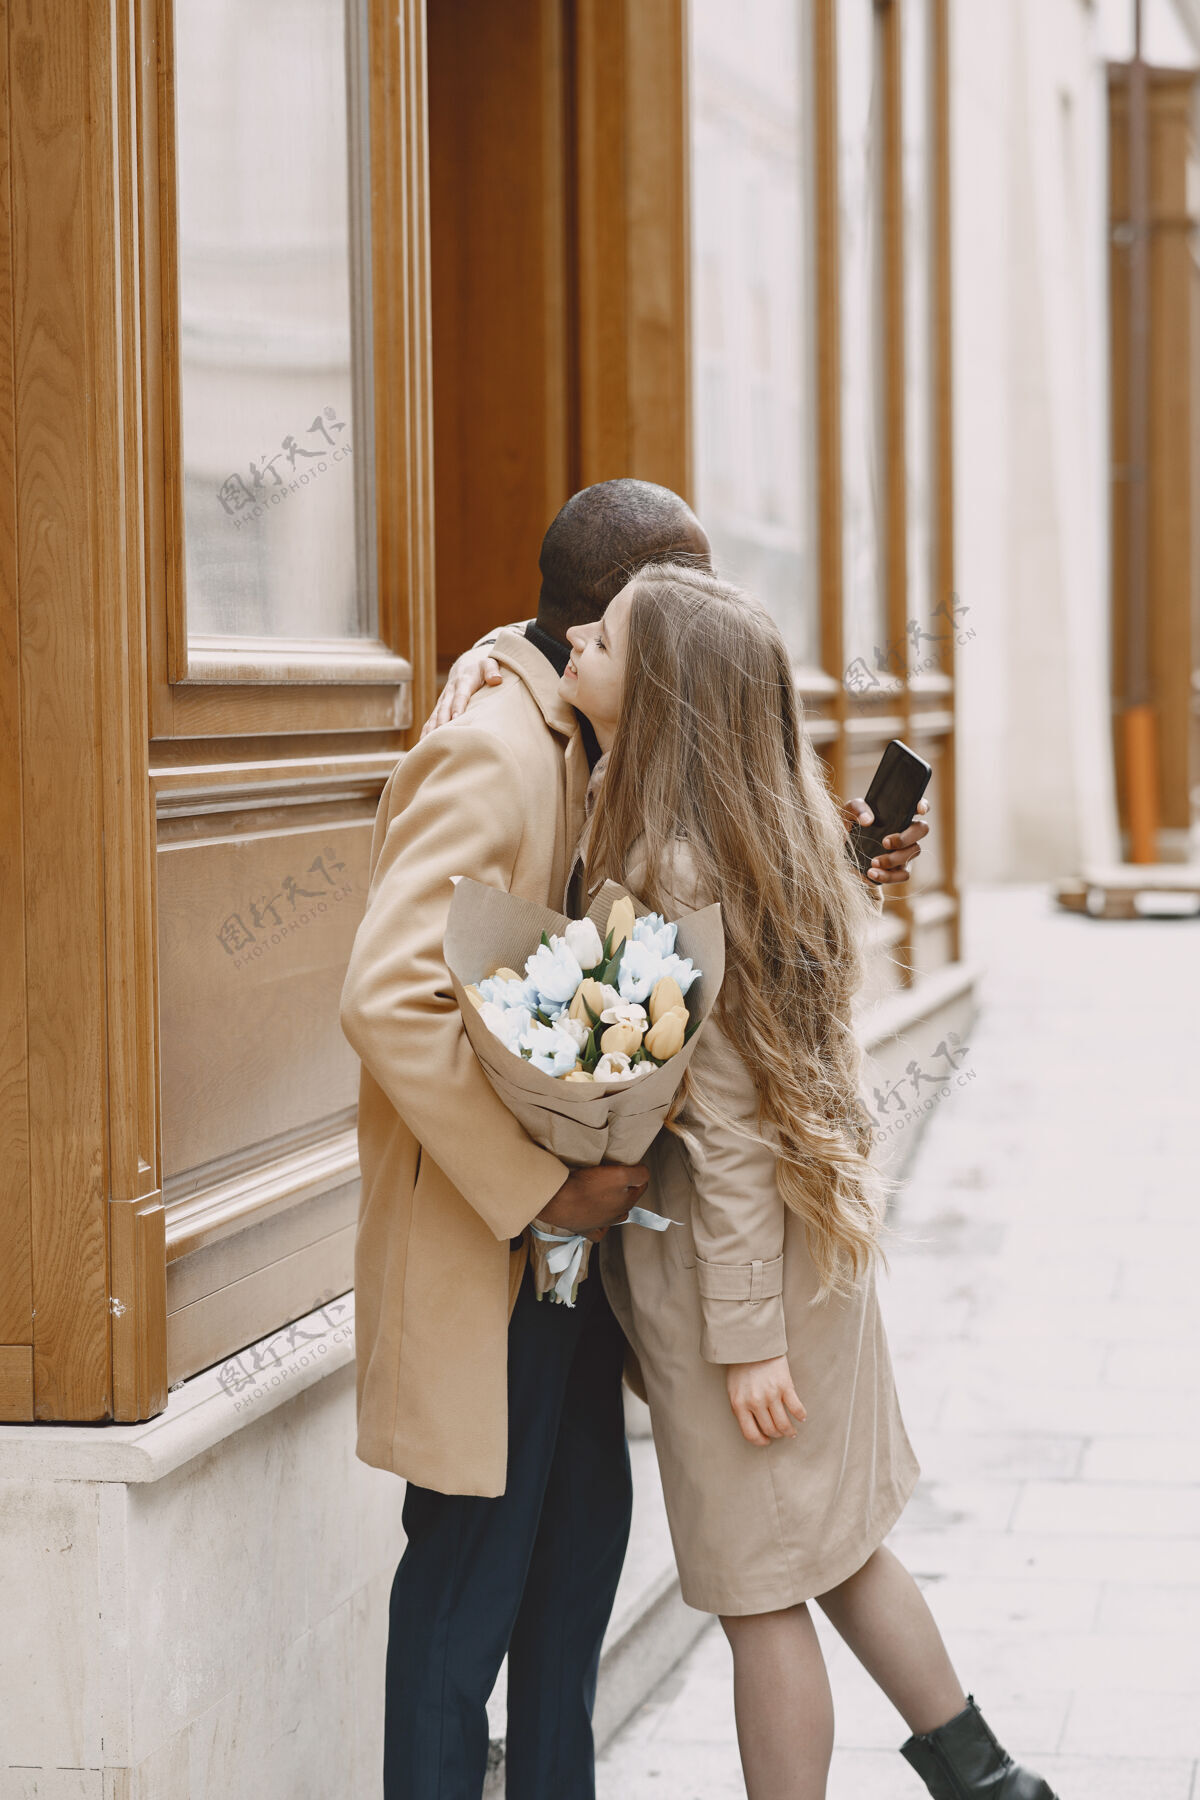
(448, 1176)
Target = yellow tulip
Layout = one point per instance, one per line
(474, 996)
(665, 1036)
(623, 1038)
(588, 993)
(577, 1075)
(621, 921)
(506, 975)
(666, 997)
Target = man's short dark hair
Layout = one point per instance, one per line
(601, 537)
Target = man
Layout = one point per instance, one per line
(504, 1416)
(566, 562)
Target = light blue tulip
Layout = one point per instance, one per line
(640, 968)
(509, 994)
(554, 972)
(654, 931)
(680, 969)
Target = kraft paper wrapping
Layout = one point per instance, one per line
(581, 1124)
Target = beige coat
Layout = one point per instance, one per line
(754, 1529)
(448, 1176)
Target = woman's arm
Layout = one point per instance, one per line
(738, 1223)
(737, 1213)
(474, 669)
(738, 1218)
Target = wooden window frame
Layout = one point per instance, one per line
(97, 735)
(272, 701)
(814, 681)
(203, 685)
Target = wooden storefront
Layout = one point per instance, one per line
(213, 651)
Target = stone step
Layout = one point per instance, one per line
(1133, 891)
(650, 1629)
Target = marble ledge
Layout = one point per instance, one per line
(895, 1013)
(200, 1412)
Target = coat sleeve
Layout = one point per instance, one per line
(454, 806)
(738, 1214)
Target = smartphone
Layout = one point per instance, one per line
(896, 786)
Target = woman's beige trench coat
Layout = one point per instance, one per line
(754, 1529)
(448, 1176)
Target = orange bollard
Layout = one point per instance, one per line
(1139, 743)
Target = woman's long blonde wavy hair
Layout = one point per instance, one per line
(710, 742)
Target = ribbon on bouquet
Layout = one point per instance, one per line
(566, 1258)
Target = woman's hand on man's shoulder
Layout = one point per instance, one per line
(474, 669)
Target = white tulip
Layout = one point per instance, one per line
(583, 941)
(625, 1012)
(615, 1067)
(508, 1023)
(552, 1050)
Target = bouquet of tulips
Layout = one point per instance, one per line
(589, 1008)
(588, 1045)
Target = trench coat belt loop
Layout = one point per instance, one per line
(756, 1282)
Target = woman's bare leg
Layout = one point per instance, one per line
(783, 1705)
(882, 1615)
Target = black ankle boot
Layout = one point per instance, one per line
(962, 1760)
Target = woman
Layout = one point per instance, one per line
(754, 1318)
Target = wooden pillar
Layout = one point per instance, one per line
(500, 318)
(829, 374)
(83, 1049)
(16, 1263)
(630, 165)
(1172, 670)
(895, 508)
(559, 178)
(943, 451)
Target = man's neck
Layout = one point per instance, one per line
(551, 647)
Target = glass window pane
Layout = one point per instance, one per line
(273, 320)
(752, 307)
(918, 321)
(858, 59)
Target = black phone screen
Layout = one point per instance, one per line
(896, 786)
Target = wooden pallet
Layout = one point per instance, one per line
(1133, 891)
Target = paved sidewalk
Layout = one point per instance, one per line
(1045, 1328)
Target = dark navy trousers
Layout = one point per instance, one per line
(532, 1573)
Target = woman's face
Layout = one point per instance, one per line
(596, 672)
